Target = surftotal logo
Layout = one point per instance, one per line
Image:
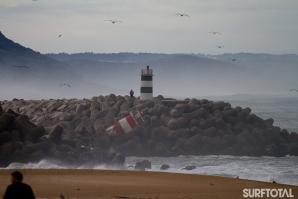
(269, 193)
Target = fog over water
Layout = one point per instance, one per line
(179, 75)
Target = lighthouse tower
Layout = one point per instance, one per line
(146, 84)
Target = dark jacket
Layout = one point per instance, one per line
(19, 190)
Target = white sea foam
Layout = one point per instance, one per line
(43, 164)
(282, 170)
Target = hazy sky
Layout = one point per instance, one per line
(269, 26)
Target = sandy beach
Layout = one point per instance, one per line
(50, 183)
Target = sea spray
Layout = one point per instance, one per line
(282, 170)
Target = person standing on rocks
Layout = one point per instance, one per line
(131, 93)
(18, 189)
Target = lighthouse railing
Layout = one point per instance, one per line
(145, 72)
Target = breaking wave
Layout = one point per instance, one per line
(282, 170)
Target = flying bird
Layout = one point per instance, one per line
(294, 90)
(65, 85)
(59, 36)
(21, 66)
(233, 59)
(215, 33)
(219, 46)
(211, 184)
(114, 21)
(182, 15)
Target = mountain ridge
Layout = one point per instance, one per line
(129, 56)
(42, 77)
(182, 73)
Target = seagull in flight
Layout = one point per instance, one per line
(233, 59)
(114, 21)
(182, 15)
(215, 33)
(220, 46)
(21, 66)
(59, 36)
(294, 90)
(65, 85)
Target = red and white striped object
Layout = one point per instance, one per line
(124, 125)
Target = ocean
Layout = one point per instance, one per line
(284, 170)
(283, 109)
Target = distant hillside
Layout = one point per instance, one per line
(283, 66)
(42, 78)
(108, 57)
(13, 54)
(184, 75)
(258, 57)
(285, 69)
(174, 74)
(142, 57)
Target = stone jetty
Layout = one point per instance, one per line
(71, 130)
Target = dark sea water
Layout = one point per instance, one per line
(284, 111)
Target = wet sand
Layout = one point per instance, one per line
(50, 183)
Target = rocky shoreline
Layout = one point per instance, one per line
(70, 130)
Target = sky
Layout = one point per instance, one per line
(255, 26)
